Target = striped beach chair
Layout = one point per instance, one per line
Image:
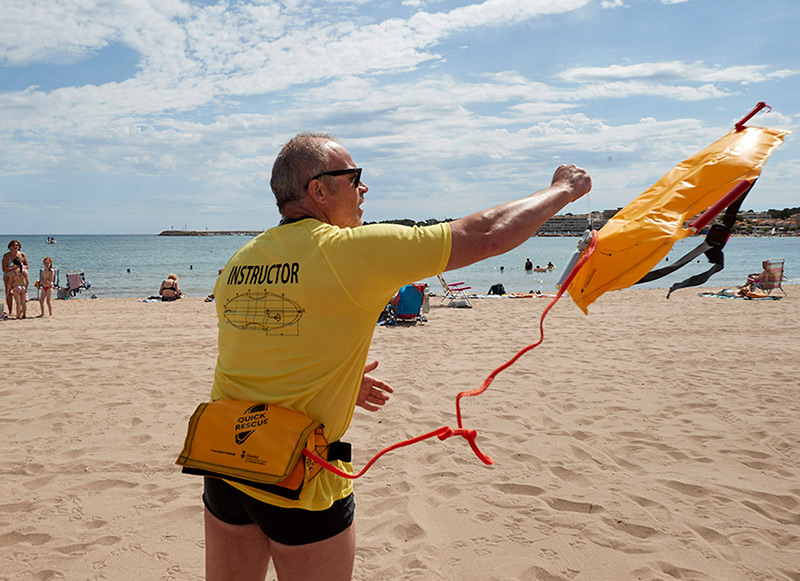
(770, 278)
(454, 291)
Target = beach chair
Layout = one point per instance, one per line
(76, 282)
(771, 277)
(407, 305)
(454, 292)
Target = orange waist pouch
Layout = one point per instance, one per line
(258, 445)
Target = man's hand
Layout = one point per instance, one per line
(373, 392)
(573, 178)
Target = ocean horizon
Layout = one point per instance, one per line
(133, 265)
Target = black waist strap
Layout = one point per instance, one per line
(339, 450)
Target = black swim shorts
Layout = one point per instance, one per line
(289, 526)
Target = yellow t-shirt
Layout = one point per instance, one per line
(296, 309)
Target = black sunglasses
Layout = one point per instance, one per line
(341, 172)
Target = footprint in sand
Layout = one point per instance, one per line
(409, 532)
(541, 574)
(15, 538)
(564, 505)
(523, 489)
(82, 548)
(484, 517)
(638, 531)
(719, 542)
(686, 488)
(569, 476)
(779, 516)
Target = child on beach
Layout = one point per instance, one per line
(19, 288)
(46, 284)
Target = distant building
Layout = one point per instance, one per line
(763, 224)
(574, 224)
(754, 216)
(753, 223)
(565, 225)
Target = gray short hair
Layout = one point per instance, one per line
(303, 157)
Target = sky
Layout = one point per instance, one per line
(137, 116)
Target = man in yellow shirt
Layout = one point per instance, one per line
(296, 310)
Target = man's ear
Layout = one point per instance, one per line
(317, 192)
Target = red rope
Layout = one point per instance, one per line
(445, 431)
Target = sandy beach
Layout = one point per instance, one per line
(653, 439)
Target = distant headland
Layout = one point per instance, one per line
(210, 233)
(784, 222)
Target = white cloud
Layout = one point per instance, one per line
(248, 48)
(675, 71)
(612, 4)
(195, 56)
(622, 90)
(425, 116)
(218, 88)
(67, 31)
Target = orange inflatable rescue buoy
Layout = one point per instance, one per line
(634, 240)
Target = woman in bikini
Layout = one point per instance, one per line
(8, 268)
(46, 284)
(169, 290)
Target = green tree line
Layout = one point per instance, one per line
(783, 214)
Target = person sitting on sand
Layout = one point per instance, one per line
(19, 287)
(756, 278)
(169, 290)
(46, 285)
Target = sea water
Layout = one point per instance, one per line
(135, 265)
(132, 265)
(743, 256)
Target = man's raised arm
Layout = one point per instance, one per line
(497, 230)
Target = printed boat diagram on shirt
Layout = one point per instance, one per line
(264, 311)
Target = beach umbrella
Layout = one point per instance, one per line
(635, 239)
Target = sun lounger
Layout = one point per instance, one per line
(454, 292)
